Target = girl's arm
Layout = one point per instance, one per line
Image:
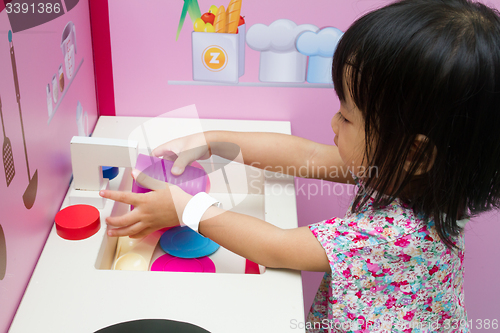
(276, 152)
(263, 242)
(283, 153)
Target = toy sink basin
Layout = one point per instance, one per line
(245, 196)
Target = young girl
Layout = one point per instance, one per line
(419, 86)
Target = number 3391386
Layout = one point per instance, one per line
(39, 8)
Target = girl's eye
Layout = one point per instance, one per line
(342, 118)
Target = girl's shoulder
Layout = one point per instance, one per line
(394, 224)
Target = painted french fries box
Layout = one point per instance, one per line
(219, 57)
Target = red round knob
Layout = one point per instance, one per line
(77, 222)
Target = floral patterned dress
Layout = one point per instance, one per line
(389, 273)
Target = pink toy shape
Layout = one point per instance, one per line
(192, 181)
(251, 267)
(168, 263)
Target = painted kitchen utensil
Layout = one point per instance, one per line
(30, 193)
(192, 181)
(8, 158)
(3, 254)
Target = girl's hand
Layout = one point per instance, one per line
(183, 151)
(152, 211)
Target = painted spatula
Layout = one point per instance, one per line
(8, 158)
(30, 193)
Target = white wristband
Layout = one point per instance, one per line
(195, 208)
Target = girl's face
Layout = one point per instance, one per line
(349, 128)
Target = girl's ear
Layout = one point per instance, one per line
(420, 155)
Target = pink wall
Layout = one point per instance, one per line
(146, 57)
(38, 57)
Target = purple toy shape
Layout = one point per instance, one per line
(192, 181)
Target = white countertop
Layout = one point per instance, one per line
(67, 293)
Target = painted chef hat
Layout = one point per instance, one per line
(320, 48)
(279, 59)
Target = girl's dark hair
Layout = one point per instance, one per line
(432, 68)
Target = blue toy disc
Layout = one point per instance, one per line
(183, 242)
(109, 172)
